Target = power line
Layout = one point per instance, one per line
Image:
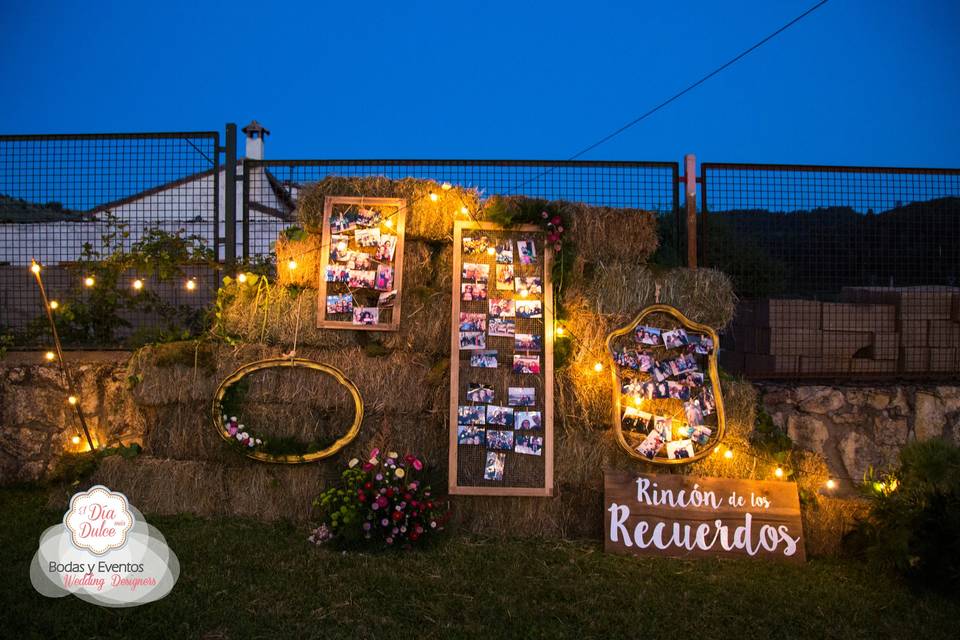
(700, 81)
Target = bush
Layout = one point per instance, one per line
(913, 526)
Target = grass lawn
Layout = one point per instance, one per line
(243, 579)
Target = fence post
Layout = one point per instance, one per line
(245, 204)
(690, 197)
(230, 196)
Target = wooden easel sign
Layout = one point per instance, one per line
(501, 362)
(361, 263)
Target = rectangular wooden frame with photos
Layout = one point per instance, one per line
(529, 475)
(323, 322)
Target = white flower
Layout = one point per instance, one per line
(233, 418)
(245, 435)
(239, 426)
(353, 463)
(239, 436)
(259, 441)
(393, 454)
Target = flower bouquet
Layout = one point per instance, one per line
(380, 503)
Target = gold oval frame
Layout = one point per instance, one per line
(272, 363)
(714, 381)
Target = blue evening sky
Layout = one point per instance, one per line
(870, 82)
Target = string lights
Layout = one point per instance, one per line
(138, 284)
(88, 282)
(50, 356)
(54, 304)
(191, 284)
(241, 277)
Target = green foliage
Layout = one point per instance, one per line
(190, 353)
(6, 341)
(295, 233)
(913, 526)
(73, 468)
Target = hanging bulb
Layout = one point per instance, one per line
(291, 264)
(35, 268)
(388, 223)
(89, 281)
(75, 439)
(597, 367)
(50, 356)
(191, 284)
(491, 251)
(54, 304)
(72, 399)
(464, 210)
(728, 454)
(446, 186)
(138, 284)
(778, 472)
(831, 484)
(560, 331)
(241, 278)
(433, 196)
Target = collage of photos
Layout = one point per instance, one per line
(663, 365)
(360, 272)
(499, 288)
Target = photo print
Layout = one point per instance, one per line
(467, 434)
(683, 364)
(664, 426)
(474, 272)
(505, 252)
(502, 327)
(527, 251)
(473, 340)
(661, 371)
(636, 420)
(384, 280)
(337, 274)
(645, 362)
(386, 247)
(493, 470)
(359, 261)
(476, 246)
(505, 277)
(675, 339)
(501, 440)
(632, 387)
(678, 390)
(502, 308)
(530, 286)
(527, 342)
(521, 396)
(699, 434)
(362, 279)
(528, 308)
(339, 248)
(626, 358)
(479, 392)
(680, 449)
(526, 364)
(693, 413)
(473, 321)
(344, 220)
(648, 335)
(468, 414)
(367, 238)
(484, 359)
(529, 445)
(366, 315)
(341, 303)
(527, 420)
(500, 416)
(368, 216)
(470, 292)
(691, 378)
(650, 445)
(387, 299)
(707, 404)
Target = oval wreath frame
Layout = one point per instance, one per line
(714, 381)
(273, 363)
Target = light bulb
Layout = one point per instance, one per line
(241, 278)
(50, 356)
(138, 284)
(89, 281)
(492, 251)
(388, 223)
(291, 264)
(433, 196)
(778, 472)
(75, 439)
(637, 401)
(191, 284)
(341, 246)
(35, 268)
(597, 367)
(728, 454)
(831, 484)
(524, 293)
(560, 332)
(446, 186)
(465, 211)
(54, 304)
(72, 399)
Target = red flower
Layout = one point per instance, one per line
(407, 497)
(397, 515)
(368, 485)
(556, 220)
(389, 493)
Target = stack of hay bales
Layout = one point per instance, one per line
(403, 376)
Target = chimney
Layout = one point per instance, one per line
(255, 133)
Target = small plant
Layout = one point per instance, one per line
(380, 503)
(913, 526)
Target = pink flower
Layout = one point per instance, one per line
(560, 229)
(417, 465)
(374, 453)
(556, 220)
(367, 466)
(544, 214)
(556, 247)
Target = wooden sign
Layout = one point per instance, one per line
(501, 362)
(361, 263)
(685, 516)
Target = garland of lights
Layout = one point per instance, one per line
(259, 447)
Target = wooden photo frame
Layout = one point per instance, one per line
(517, 387)
(710, 444)
(347, 230)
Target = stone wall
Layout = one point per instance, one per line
(36, 422)
(855, 427)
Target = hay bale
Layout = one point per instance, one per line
(607, 235)
(827, 520)
(305, 251)
(426, 218)
(424, 324)
(703, 295)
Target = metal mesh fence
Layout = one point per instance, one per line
(66, 200)
(272, 186)
(842, 270)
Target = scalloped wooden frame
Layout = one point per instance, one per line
(272, 363)
(714, 381)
